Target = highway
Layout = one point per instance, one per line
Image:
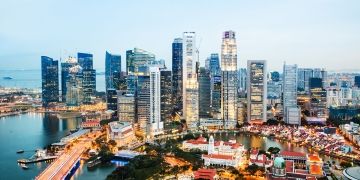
(62, 165)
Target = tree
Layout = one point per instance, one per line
(274, 150)
(252, 169)
(345, 164)
(112, 143)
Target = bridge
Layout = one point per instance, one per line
(67, 163)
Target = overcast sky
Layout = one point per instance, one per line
(310, 33)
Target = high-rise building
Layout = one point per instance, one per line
(112, 70)
(256, 91)
(304, 75)
(126, 107)
(177, 64)
(143, 103)
(229, 79)
(357, 81)
(137, 60)
(275, 76)
(204, 93)
(290, 94)
(166, 95)
(89, 76)
(318, 97)
(65, 71)
(214, 65)
(112, 100)
(242, 81)
(137, 63)
(190, 80)
(74, 86)
(216, 97)
(50, 80)
(156, 124)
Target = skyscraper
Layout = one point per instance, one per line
(112, 70)
(156, 124)
(216, 97)
(74, 86)
(112, 101)
(318, 98)
(65, 75)
(126, 107)
(242, 81)
(137, 62)
(177, 64)
(166, 95)
(204, 93)
(290, 94)
(229, 79)
(190, 80)
(357, 81)
(256, 91)
(214, 65)
(50, 80)
(89, 76)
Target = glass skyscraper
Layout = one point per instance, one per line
(166, 95)
(256, 91)
(177, 64)
(89, 76)
(112, 70)
(290, 94)
(50, 80)
(214, 65)
(204, 93)
(229, 79)
(190, 80)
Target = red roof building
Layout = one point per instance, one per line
(209, 174)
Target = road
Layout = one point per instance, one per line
(62, 165)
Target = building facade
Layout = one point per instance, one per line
(89, 76)
(50, 80)
(290, 94)
(166, 95)
(256, 91)
(204, 93)
(177, 74)
(126, 107)
(112, 71)
(190, 80)
(156, 124)
(229, 79)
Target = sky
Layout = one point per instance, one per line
(310, 33)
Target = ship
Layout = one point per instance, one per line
(39, 156)
(7, 78)
(24, 166)
(20, 151)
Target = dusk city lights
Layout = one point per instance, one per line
(180, 90)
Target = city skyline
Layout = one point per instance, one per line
(304, 33)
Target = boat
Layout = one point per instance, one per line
(24, 166)
(39, 156)
(7, 78)
(20, 151)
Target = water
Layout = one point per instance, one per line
(33, 130)
(32, 79)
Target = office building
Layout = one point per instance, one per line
(204, 93)
(256, 91)
(166, 95)
(89, 76)
(229, 79)
(357, 81)
(65, 70)
(275, 76)
(126, 107)
(156, 124)
(50, 80)
(290, 94)
(112, 101)
(242, 81)
(112, 71)
(74, 86)
(214, 65)
(216, 97)
(177, 64)
(190, 80)
(318, 97)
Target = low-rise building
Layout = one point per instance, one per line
(121, 132)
